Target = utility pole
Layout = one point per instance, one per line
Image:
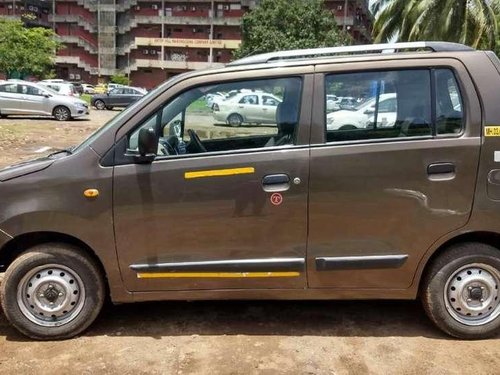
(211, 36)
(98, 40)
(54, 15)
(163, 34)
(13, 7)
(345, 15)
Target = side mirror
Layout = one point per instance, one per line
(147, 144)
(47, 95)
(369, 112)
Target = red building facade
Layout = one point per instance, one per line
(152, 40)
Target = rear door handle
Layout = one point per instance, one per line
(441, 170)
(273, 183)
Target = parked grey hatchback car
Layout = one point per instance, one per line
(161, 204)
(26, 98)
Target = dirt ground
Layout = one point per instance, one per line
(251, 337)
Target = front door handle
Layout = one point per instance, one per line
(438, 171)
(273, 183)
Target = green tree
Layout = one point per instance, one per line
(471, 22)
(25, 51)
(120, 79)
(289, 24)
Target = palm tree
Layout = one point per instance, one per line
(470, 22)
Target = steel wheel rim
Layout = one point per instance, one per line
(51, 295)
(61, 114)
(234, 120)
(472, 295)
(100, 104)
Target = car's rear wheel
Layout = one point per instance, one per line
(460, 291)
(99, 104)
(52, 291)
(61, 113)
(234, 120)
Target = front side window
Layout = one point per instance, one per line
(392, 104)
(227, 117)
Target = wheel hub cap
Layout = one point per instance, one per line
(472, 294)
(51, 295)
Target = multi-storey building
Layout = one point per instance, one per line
(32, 12)
(151, 40)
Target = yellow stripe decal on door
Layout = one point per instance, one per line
(160, 275)
(219, 172)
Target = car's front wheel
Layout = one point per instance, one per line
(460, 291)
(62, 113)
(52, 291)
(99, 104)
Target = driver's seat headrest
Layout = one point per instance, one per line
(286, 118)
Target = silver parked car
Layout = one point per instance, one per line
(27, 98)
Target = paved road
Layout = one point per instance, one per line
(233, 337)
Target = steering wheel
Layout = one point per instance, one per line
(195, 140)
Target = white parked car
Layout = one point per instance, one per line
(362, 116)
(247, 107)
(88, 89)
(62, 88)
(27, 98)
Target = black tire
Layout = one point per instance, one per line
(456, 261)
(109, 108)
(235, 120)
(42, 259)
(61, 113)
(347, 127)
(99, 104)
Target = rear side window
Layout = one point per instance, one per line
(449, 105)
(392, 104)
(10, 87)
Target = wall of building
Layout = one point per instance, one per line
(137, 34)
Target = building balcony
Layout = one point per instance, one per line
(71, 18)
(171, 64)
(81, 42)
(75, 60)
(347, 21)
(134, 21)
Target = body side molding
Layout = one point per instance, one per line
(360, 262)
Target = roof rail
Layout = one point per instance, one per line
(351, 50)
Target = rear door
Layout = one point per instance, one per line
(382, 194)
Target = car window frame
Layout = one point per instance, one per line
(245, 95)
(306, 73)
(159, 114)
(10, 84)
(465, 84)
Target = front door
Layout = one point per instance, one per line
(381, 195)
(217, 208)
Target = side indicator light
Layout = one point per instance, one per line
(91, 193)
